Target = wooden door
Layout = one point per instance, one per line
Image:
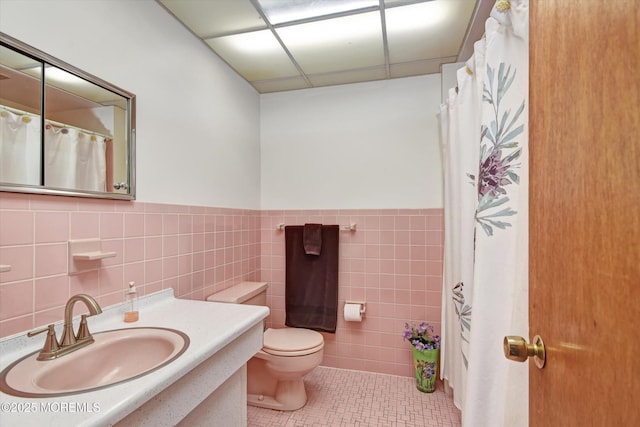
(585, 211)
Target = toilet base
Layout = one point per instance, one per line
(290, 395)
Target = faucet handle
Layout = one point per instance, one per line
(39, 331)
(50, 343)
(83, 329)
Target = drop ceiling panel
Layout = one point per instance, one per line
(419, 68)
(351, 76)
(279, 11)
(212, 18)
(279, 85)
(336, 44)
(256, 55)
(427, 30)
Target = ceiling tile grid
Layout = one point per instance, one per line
(279, 45)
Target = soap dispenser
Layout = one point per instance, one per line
(131, 303)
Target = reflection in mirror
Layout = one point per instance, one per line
(62, 131)
(19, 119)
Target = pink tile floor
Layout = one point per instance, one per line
(345, 398)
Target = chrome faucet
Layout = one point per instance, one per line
(69, 341)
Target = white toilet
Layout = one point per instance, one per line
(274, 374)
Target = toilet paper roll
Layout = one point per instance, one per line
(352, 313)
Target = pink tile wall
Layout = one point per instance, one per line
(194, 250)
(393, 262)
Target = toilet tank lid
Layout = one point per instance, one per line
(237, 294)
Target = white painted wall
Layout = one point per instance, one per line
(203, 133)
(198, 136)
(359, 146)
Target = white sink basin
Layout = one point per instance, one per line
(115, 356)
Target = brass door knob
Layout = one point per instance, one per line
(517, 348)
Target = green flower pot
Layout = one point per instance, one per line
(426, 366)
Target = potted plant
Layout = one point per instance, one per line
(426, 350)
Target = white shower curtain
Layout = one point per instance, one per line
(460, 153)
(74, 159)
(19, 148)
(485, 284)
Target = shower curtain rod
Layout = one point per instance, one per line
(19, 112)
(64, 125)
(53, 122)
(351, 227)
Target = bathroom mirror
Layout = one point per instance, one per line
(62, 131)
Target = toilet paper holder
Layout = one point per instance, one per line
(363, 306)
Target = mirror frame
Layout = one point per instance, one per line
(130, 128)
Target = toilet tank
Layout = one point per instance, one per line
(249, 293)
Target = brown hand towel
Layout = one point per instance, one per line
(312, 237)
(311, 284)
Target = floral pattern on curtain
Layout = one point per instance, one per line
(484, 124)
(499, 150)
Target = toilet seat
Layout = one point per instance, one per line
(292, 342)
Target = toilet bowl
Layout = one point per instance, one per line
(274, 374)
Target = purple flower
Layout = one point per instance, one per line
(429, 371)
(422, 337)
(493, 174)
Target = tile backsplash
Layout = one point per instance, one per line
(393, 261)
(194, 250)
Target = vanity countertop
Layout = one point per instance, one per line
(210, 326)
